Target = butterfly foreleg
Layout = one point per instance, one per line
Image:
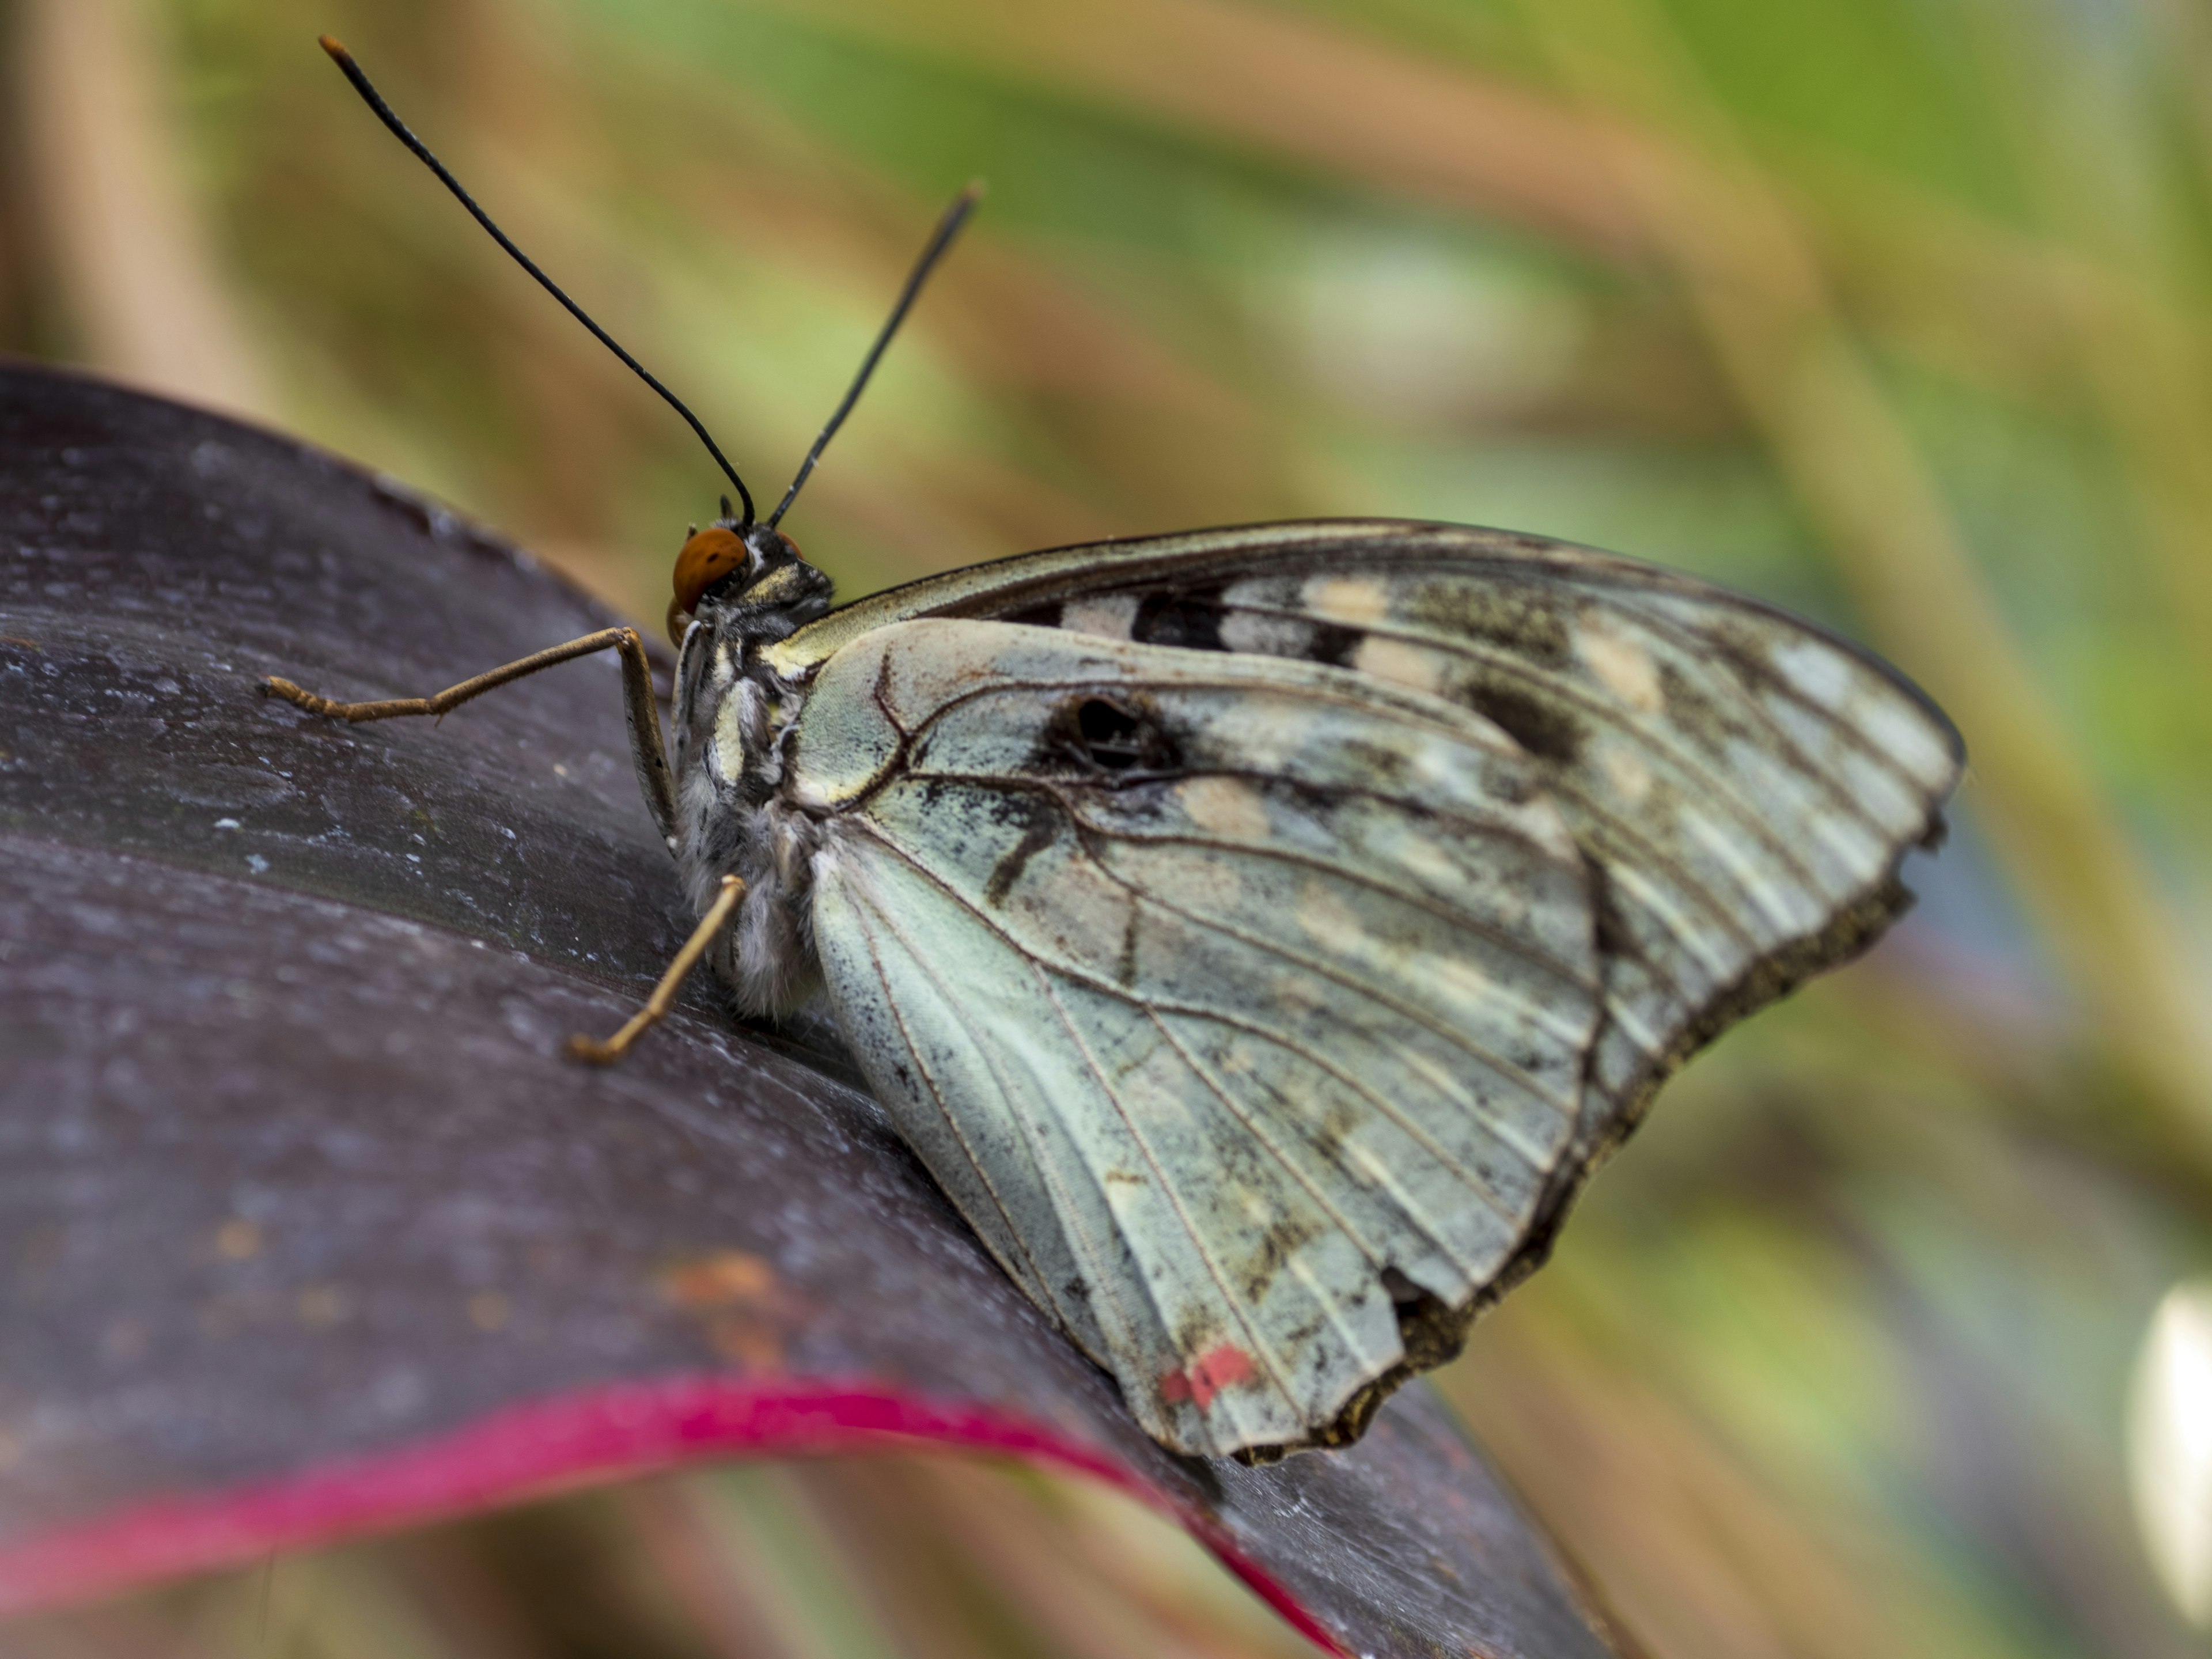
(656, 1006)
(647, 752)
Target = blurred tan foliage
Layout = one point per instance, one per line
(1893, 310)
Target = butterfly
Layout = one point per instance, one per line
(1260, 933)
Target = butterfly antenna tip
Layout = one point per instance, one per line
(399, 130)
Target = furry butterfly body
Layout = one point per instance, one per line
(1260, 934)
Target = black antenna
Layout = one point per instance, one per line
(370, 96)
(947, 227)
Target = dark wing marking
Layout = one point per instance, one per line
(1745, 782)
(1227, 995)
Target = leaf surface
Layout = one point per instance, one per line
(305, 1227)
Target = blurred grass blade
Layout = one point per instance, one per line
(1763, 298)
(146, 295)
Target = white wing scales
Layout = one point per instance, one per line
(1212, 988)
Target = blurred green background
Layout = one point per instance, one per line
(1894, 311)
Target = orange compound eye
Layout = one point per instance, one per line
(707, 557)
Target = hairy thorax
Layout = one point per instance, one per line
(734, 716)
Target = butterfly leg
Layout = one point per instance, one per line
(647, 752)
(717, 917)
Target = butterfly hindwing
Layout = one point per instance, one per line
(1238, 1001)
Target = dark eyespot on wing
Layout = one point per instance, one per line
(1109, 734)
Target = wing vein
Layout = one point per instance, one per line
(1497, 1064)
(1412, 1212)
(1563, 690)
(1451, 916)
(1444, 912)
(1406, 708)
(1445, 1159)
(1070, 1224)
(952, 1123)
(1443, 1156)
(1694, 645)
(1265, 1353)
(1252, 1126)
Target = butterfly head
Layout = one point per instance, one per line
(752, 575)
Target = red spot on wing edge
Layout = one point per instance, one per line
(1217, 1369)
(542, 1447)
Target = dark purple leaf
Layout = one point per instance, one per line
(308, 1228)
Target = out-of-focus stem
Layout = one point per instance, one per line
(139, 284)
(1762, 297)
